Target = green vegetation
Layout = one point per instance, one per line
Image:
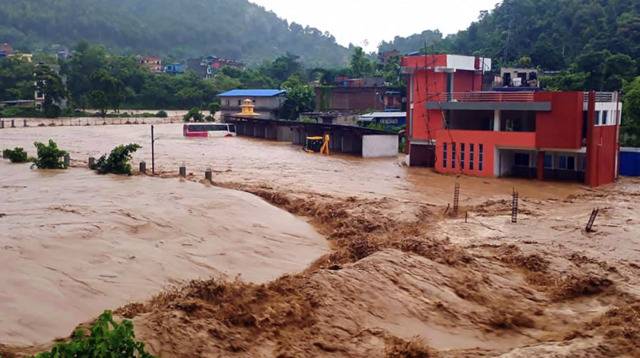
(118, 161)
(16, 155)
(595, 43)
(107, 339)
(194, 115)
(49, 156)
(631, 112)
(161, 114)
(234, 29)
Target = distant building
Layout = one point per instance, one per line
(267, 102)
(174, 68)
(206, 67)
(357, 95)
(152, 63)
(385, 56)
(6, 50)
(63, 54)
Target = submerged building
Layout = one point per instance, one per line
(457, 123)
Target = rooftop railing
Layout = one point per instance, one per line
(485, 96)
(603, 97)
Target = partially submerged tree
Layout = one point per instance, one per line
(118, 161)
(49, 156)
(193, 115)
(16, 155)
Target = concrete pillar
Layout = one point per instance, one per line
(92, 162)
(540, 166)
(496, 120)
(208, 175)
(1, 124)
(183, 171)
(143, 168)
(13, 123)
(591, 175)
(24, 122)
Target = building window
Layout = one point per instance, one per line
(471, 153)
(548, 161)
(462, 145)
(444, 155)
(567, 162)
(453, 155)
(597, 118)
(239, 102)
(480, 157)
(605, 118)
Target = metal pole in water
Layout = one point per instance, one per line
(208, 175)
(153, 152)
(92, 162)
(183, 170)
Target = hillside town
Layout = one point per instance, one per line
(420, 200)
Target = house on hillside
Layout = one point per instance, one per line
(267, 102)
(6, 50)
(174, 68)
(458, 126)
(152, 63)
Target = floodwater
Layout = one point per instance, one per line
(279, 164)
(73, 243)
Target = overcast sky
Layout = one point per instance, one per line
(372, 21)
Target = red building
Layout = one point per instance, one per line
(458, 126)
(153, 63)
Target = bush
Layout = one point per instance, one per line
(107, 339)
(194, 113)
(52, 111)
(213, 108)
(16, 155)
(10, 112)
(162, 114)
(118, 160)
(49, 156)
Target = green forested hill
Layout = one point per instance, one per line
(554, 34)
(180, 28)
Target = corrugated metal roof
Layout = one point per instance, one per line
(252, 93)
(384, 115)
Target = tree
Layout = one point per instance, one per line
(360, 65)
(631, 113)
(84, 63)
(16, 79)
(300, 98)
(107, 91)
(50, 85)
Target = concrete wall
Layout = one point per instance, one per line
(376, 146)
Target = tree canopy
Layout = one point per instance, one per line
(235, 29)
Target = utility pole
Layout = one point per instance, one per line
(153, 152)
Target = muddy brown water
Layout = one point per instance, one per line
(279, 164)
(78, 243)
(73, 243)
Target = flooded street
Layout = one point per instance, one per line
(371, 256)
(279, 164)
